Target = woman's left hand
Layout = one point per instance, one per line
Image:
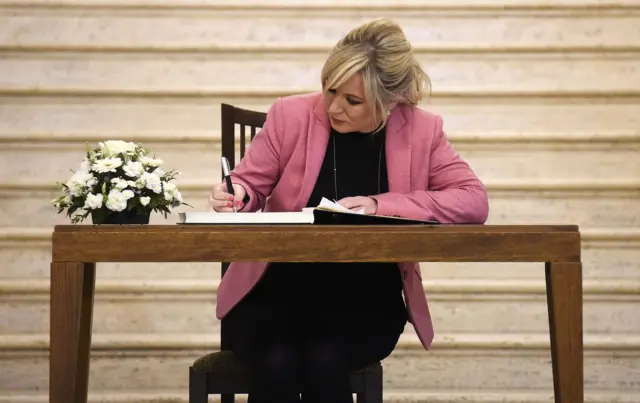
(368, 204)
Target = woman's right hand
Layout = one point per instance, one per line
(221, 201)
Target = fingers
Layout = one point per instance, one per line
(219, 205)
(239, 192)
(221, 201)
(367, 204)
(352, 203)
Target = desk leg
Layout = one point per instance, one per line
(564, 302)
(72, 289)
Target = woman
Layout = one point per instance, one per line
(361, 141)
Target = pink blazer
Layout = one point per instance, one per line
(427, 180)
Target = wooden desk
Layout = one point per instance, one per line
(76, 250)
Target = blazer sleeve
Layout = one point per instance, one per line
(258, 171)
(455, 193)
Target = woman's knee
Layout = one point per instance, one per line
(279, 363)
(325, 358)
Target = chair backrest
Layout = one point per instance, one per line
(230, 117)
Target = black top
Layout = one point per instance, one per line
(331, 287)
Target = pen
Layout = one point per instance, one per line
(226, 172)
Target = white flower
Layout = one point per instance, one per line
(152, 181)
(116, 201)
(106, 165)
(152, 162)
(145, 200)
(169, 187)
(139, 184)
(159, 172)
(177, 197)
(171, 193)
(170, 190)
(120, 183)
(128, 194)
(85, 166)
(116, 147)
(93, 201)
(174, 198)
(133, 169)
(79, 182)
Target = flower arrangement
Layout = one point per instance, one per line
(118, 179)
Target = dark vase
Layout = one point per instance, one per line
(120, 217)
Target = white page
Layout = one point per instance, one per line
(304, 216)
(212, 217)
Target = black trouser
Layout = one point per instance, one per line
(293, 348)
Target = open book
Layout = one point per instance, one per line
(327, 212)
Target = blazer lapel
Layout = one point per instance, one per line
(398, 155)
(317, 142)
(398, 152)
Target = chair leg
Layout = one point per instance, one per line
(197, 387)
(373, 392)
(227, 398)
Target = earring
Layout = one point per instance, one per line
(388, 112)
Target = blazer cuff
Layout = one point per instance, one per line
(394, 204)
(385, 205)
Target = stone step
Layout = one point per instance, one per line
(614, 254)
(469, 364)
(464, 306)
(390, 396)
(130, 73)
(522, 116)
(203, 24)
(509, 158)
(587, 204)
(584, 205)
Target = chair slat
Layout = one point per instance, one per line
(243, 139)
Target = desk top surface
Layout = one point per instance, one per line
(316, 243)
(307, 228)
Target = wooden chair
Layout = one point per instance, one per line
(220, 373)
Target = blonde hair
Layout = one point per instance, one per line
(380, 51)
